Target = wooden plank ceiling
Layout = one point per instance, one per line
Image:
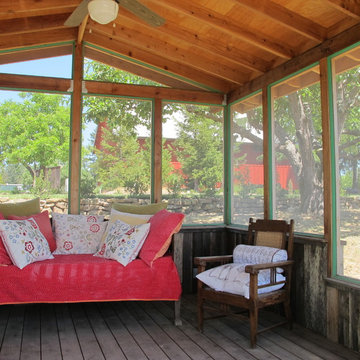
(204, 44)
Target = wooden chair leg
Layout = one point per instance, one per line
(288, 314)
(200, 313)
(253, 315)
(177, 306)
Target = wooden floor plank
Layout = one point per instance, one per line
(105, 337)
(129, 347)
(187, 344)
(69, 344)
(31, 340)
(50, 343)
(144, 340)
(213, 350)
(171, 348)
(4, 318)
(87, 339)
(11, 345)
(145, 330)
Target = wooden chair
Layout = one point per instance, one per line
(271, 233)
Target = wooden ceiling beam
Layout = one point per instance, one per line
(19, 8)
(21, 82)
(118, 63)
(81, 29)
(106, 88)
(34, 54)
(328, 47)
(176, 31)
(37, 38)
(31, 24)
(213, 66)
(348, 7)
(287, 18)
(154, 61)
(222, 23)
(11, 81)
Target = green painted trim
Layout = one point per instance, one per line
(229, 155)
(25, 48)
(295, 73)
(334, 197)
(245, 97)
(342, 51)
(152, 165)
(271, 159)
(153, 68)
(227, 166)
(34, 90)
(203, 225)
(192, 102)
(347, 279)
(118, 96)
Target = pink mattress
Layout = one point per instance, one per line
(81, 278)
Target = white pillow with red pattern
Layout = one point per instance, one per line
(24, 242)
(78, 234)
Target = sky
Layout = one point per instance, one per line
(55, 67)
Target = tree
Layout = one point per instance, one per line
(121, 161)
(200, 139)
(35, 133)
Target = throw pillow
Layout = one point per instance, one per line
(24, 242)
(63, 219)
(233, 279)
(149, 209)
(128, 218)
(43, 221)
(249, 254)
(24, 208)
(4, 257)
(76, 235)
(123, 242)
(163, 225)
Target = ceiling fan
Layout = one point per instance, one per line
(105, 11)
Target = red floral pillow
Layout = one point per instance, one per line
(162, 226)
(43, 221)
(4, 257)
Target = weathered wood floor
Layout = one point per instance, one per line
(145, 330)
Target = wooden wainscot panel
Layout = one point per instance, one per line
(315, 270)
(332, 313)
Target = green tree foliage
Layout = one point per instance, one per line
(200, 144)
(35, 133)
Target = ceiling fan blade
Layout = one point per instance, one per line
(142, 12)
(78, 15)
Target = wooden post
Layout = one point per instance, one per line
(76, 112)
(326, 140)
(157, 151)
(266, 155)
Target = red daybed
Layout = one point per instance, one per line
(87, 278)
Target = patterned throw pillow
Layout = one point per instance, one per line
(24, 242)
(123, 242)
(63, 219)
(78, 234)
(251, 254)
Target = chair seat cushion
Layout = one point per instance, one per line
(233, 279)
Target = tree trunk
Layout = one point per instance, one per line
(308, 170)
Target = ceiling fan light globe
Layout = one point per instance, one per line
(103, 11)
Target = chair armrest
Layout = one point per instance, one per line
(254, 269)
(203, 260)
